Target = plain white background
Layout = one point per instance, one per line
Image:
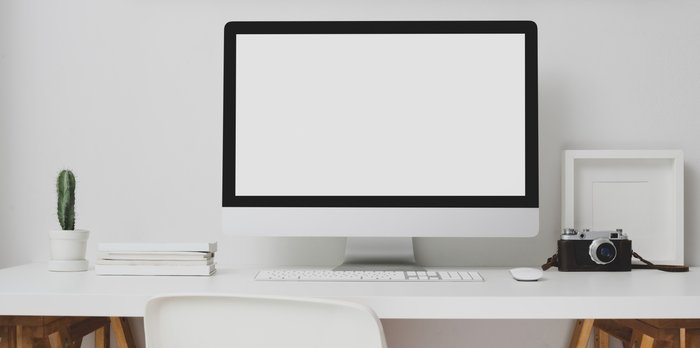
(128, 95)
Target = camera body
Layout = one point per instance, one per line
(594, 251)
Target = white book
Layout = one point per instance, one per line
(155, 255)
(203, 246)
(156, 262)
(205, 270)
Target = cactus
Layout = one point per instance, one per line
(65, 187)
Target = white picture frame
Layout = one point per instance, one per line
(639, 191)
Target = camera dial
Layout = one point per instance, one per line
(602, 251)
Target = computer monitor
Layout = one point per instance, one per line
(380, 129)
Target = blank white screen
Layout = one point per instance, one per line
(380, 115)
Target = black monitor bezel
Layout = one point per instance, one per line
(528, 28)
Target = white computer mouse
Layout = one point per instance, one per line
(526, 273)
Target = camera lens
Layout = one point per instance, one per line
(606, 252)
(602, 251)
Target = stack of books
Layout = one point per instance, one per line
(185, 259)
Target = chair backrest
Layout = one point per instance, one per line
(208, 321)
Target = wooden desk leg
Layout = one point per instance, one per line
(682, 338)
(29, 337)
(692, 337)
(641, 340)
(20, 333)
(12, 337)
(55, 340)
(122, 332)
(63, 338)
(582, 332)
(102, 337)
(41, 343)
(5, 337)
(646, 342)
(602, 339)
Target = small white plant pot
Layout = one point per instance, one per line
(68, 250)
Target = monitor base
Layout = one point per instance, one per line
(379, 253)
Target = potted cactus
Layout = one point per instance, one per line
(67, 244)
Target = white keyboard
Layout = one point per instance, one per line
(368, 276)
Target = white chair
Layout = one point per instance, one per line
(208, 321)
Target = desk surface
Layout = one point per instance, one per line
(32, 290)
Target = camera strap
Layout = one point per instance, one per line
(551, 262)
(649, 265)
(554, 262)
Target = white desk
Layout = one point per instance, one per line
(32, 290)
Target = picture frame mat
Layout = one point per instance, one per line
(638, 191)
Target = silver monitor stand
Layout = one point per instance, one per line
(379, 253)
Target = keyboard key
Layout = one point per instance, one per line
(476, 276)
(465, 275)
(453, 276)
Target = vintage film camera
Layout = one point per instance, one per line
(594, 251)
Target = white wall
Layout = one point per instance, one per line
(128, 94)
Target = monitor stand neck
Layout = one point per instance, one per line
(379, 253)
